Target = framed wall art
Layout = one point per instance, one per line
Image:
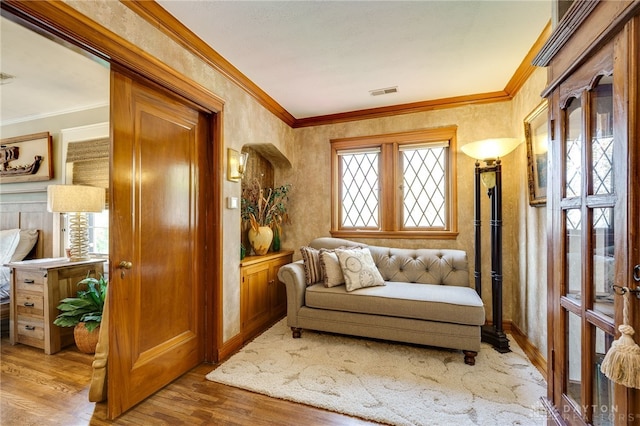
(26, 158)
(536, 131)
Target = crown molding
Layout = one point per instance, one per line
(156, 15)
(526, 68)
(573, 18)
(365, 114)
(580, 33)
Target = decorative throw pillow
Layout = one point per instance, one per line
(28, 239)
(311, 262)
(359, 269)
(331, 268)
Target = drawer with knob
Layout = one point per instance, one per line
(30, 304)
(30, 281)
(30, 331)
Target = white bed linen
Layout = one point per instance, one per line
(15, 244)
(9, 239)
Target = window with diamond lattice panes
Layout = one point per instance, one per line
(359, 189)
(395, 185)
(424, 187)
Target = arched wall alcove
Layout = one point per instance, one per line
(264, 159)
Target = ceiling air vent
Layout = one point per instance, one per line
(386, 91)
(5, 78)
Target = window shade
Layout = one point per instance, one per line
(90, 162)
(423, 145)
(354, 151)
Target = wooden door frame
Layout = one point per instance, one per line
(82, 32)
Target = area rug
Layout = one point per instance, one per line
(388, 383)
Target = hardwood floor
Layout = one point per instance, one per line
(39, 389)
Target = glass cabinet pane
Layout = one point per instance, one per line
(573, 226)
(603, 238)
(573, 149)
(602, 136)
(574, 358)
(603, 402)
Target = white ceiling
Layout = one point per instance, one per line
(50, 79)
(323, 57)
(312, 57)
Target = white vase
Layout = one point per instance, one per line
(261, 239)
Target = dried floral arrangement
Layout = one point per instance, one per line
(264, 206)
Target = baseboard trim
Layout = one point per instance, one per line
(230, 347)
(535, 356)
(530, 350)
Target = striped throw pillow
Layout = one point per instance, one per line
(312, 267)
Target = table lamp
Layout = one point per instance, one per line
(77, 200)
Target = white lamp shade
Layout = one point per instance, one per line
(490, 149)
(75, 199)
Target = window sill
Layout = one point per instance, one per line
(433, 235)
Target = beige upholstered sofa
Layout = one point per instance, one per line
(425, 299)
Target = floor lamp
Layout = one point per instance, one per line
(490, 151)
(77, 200)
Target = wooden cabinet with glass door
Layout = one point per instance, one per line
(592, 235)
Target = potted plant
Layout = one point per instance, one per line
(265, 210)
(84, 312)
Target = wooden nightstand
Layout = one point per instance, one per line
(37, 286)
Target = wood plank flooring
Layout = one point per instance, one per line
(39, 389)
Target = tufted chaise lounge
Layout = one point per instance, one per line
(426, 300)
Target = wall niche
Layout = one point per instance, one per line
(258, 168)
(262, 162)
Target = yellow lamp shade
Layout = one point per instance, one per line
(75, 199)
(490, 149)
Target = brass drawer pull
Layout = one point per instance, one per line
(30, 327)
(29, 304)
(29, 281)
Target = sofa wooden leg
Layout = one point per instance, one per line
(296, 332)
(470, 357)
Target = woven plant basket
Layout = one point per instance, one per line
(86, 341)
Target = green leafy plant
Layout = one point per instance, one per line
(86, 307)
(265, 206)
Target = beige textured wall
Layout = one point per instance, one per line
(246, 122)
(530, 295)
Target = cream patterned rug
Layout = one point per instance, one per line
(386, 382)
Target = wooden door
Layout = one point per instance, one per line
(157, 227)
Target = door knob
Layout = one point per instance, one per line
(125, 265)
